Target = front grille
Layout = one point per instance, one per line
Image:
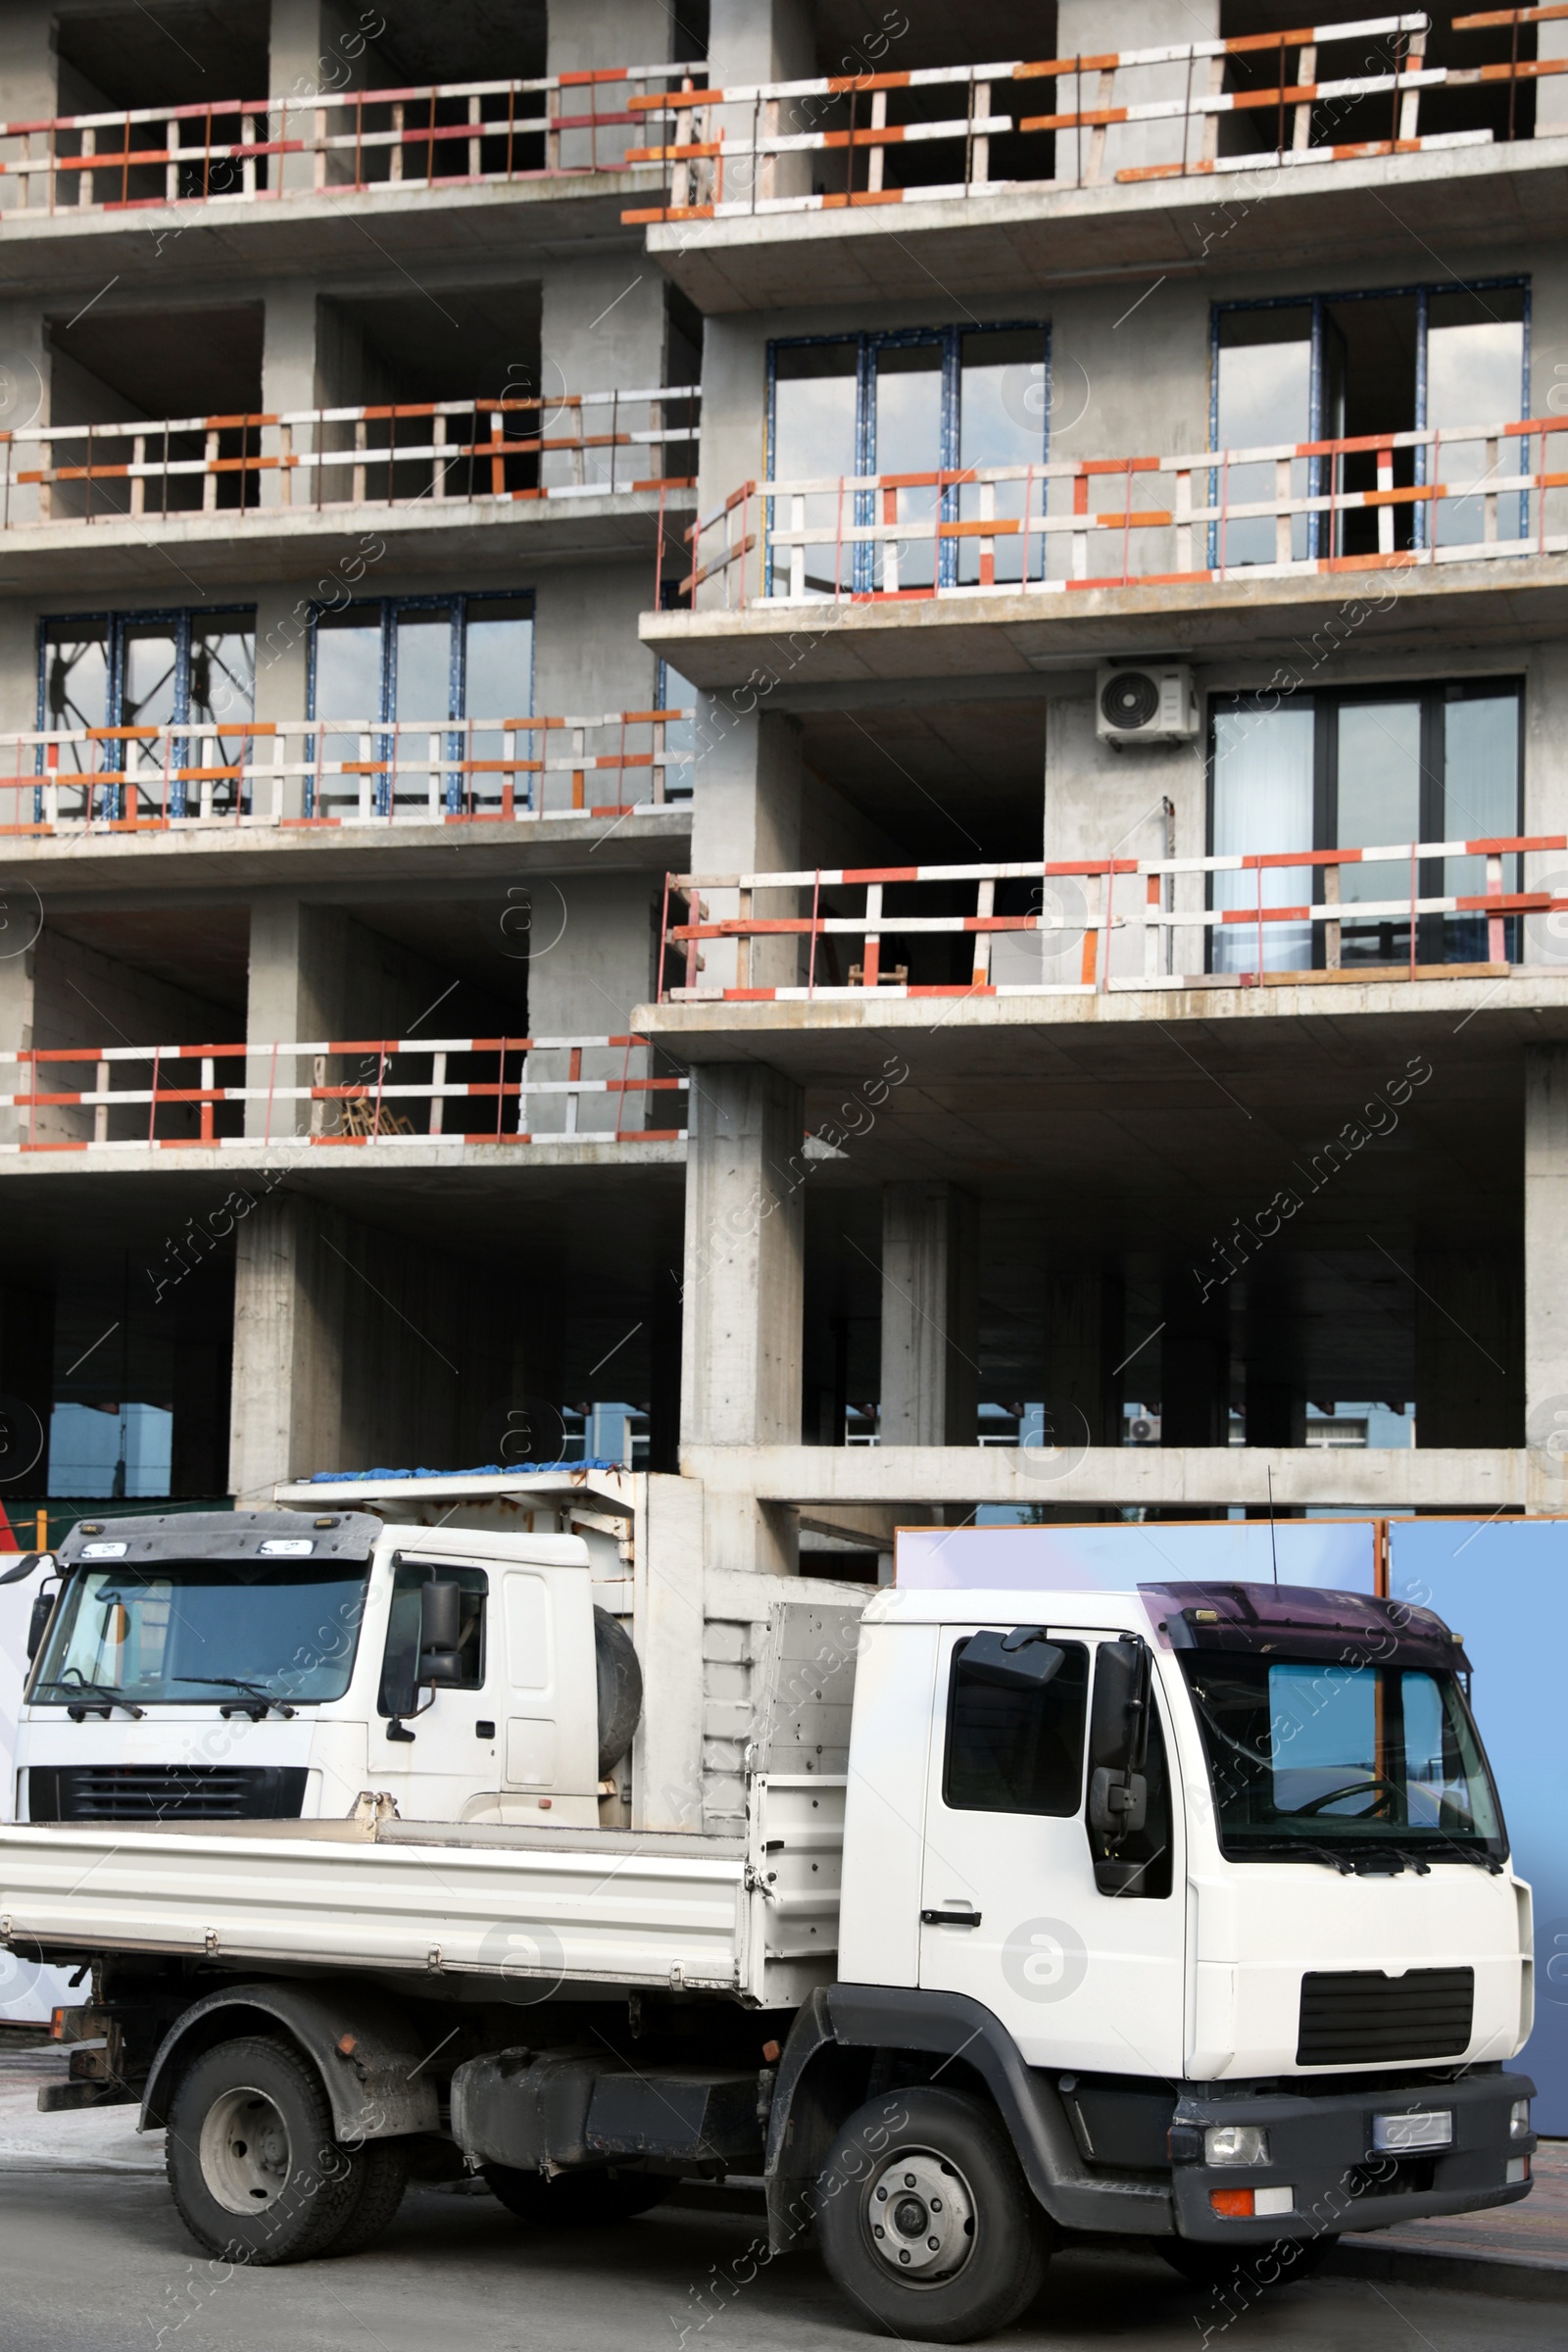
(1361, 2017)
(164, 1793)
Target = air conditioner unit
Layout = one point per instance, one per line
(1158, 704)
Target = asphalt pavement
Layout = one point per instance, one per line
(97, 2261)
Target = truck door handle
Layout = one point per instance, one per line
(950, 1919)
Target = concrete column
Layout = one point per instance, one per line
(1098, 28)
(318, 47)
(289, 1001)
(289, 376)
(289, 1304)
(766, 40)
(613, 33)
(1545, 1226)
(745, 819)
(601, 329)
(1194, 1363)
(592, 961)
(1084, 1328)
(29, 68)
(18, 963)
(930, 1315)
(27, 1389)
(741, 1351)
(1551, 94)
(1469, 1387)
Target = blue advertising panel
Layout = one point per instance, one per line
(1503, 1585)
(1118, 1557)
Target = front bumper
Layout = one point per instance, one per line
(1320, 2148)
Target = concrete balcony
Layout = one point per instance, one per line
(1279, 148)
(998, 570)
(265, 496)
(249, 802)
(447, 170)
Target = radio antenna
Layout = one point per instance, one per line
(1273, 1540)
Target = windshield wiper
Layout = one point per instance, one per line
(1291, 1847)
(238, 1682)
(100, 1692)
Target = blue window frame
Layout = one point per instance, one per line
(399, 658)
(1377, 359)
(916, 400)
(155, 669)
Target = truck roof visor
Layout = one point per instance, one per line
(1302, 1621)
(217, 1536)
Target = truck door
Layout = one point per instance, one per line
(452, 1743)
(1010, 1911)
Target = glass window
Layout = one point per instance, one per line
(906, 438)
(148, 671)
(1004, 408)
(194, 1632)
(400, 1665)
(1263, 396)
(912, 403)
(1378, 799)
(1305, 1754)
(1262, 801)
(1356, 771)
(1017, 1752)
(414, 665)
(1475, 370)
(815, 389)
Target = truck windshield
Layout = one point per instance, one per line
(1354, 1757)
(192, 1632)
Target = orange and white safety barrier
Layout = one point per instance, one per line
(1075, 523)
(726, 145)
(1081, 903)
(361, 142)
(283, 773)
(249, 468)
(365, 1105)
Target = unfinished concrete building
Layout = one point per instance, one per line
(819, 746)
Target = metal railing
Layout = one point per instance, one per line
(1065, 911)
(569, 445)
(337, 771)
(365, 143)
(730, 151)
(368, 1103)
(1444, 495)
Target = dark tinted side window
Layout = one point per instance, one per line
(1015, 1751)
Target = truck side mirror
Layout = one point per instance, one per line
(43, 1608)
(1118, 1739)
(1022, 1660)
(440, 1633)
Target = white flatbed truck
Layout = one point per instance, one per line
(1184, 1912)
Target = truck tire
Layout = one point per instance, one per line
(1253, 2269)
(587, 2201)
(382, 2167)
(925, 2220)
(620, 1679)
(253, 2164)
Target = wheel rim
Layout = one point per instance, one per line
(244, 2150)
(919, 2217)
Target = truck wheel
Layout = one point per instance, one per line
(253, 2164)
(925, 2218)
(381, 2168)
(1251, 2268)
(586, 2200)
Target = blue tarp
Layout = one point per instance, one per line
(341, 1478)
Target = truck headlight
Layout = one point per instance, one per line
(1519, 2119)
(1236, 2143)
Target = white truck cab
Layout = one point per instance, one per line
(1184, 1912)
(267, 1665)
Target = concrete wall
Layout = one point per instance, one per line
(1097, 27)
(83, 997)
(594, 956)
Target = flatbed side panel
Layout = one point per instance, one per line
(565, 1916)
